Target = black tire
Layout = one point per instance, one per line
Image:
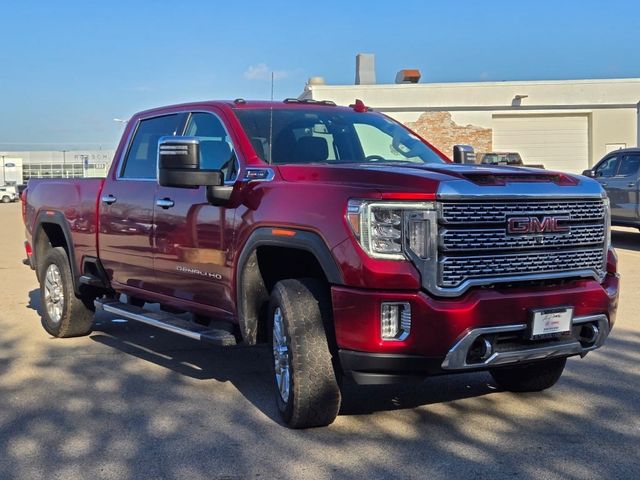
(5, 199)
(532, 377)
(313, 398)
(68, 317)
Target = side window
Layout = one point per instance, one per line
(629, 165)
(216, 148)
(143, 152)
(608, 167)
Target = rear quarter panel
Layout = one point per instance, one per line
(72, 200)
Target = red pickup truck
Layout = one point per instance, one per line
(349, 244)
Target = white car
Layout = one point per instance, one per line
(8, 194)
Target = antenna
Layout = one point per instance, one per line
(271, 120)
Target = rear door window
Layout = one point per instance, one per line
(629, 165)
(141, 159)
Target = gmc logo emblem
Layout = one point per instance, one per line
(525, 225)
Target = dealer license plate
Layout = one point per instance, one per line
(551, 322)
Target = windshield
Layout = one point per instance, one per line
(329, 135)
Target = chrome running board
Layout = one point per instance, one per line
(168, 322)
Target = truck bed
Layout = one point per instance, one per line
(72, 202)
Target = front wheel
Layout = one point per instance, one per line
(532, 377)
(5, 199)
(307, 392)
(63, 314)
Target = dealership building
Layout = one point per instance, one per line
(564, 125)
(19, 167)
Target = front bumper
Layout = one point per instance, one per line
(443, 330)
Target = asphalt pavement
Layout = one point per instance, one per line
(132, 402)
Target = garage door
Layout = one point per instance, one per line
(559, 142)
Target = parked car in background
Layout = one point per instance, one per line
(8, 194)
(512, 159)
(501, 158)
(618, 173)
(21, 188)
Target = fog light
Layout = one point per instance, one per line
(395, 320)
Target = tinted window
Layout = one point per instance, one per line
(490, 158)
(607, 168)
(330, 135)
(629, 165)
(216, 149)
(143, 153)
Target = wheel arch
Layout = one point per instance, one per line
(52, 230)
(259, 267)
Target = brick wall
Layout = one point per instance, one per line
(440, 130)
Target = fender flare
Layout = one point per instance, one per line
(57, 218)
(249, 290)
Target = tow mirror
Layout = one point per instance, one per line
(463, 154)
(589, 173)
(179, 165)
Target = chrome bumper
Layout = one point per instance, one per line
(456, 358)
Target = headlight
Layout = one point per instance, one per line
(391, 230)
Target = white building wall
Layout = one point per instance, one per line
(609, 104)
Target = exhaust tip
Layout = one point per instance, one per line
(589, 334)
(480, 351)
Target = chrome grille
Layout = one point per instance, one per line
(475, 248)
(490, 239)
(454, 270)
(489, 212)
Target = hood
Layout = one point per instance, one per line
(448, 180)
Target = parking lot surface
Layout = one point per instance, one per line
(133, 402)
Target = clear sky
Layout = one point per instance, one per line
(68, 67)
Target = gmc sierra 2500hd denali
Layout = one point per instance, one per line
(348, 243)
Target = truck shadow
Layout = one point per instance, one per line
(34, 300)
(90, 408)
(247, 368)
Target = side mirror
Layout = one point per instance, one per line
(589, 173)
(463, 154)
(179, 166)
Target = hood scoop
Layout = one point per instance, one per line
(493, 179)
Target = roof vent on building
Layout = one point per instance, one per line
(316, 81)
(408, 76)
(365, 69)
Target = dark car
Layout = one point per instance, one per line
(501, 158)
(20, 189)
(618, 173)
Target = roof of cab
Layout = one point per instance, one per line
(242, 104)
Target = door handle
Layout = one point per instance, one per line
(108, 199)
(165, 203)
(631, 184)
(604, 184)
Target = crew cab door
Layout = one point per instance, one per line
(194, 239)
(126, 204)
(605, 173)
(624, 188)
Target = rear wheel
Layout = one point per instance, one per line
(5, 199)
(307, 392)
(63, 314)
(532, 377)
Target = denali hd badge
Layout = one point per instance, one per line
(524, 225)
